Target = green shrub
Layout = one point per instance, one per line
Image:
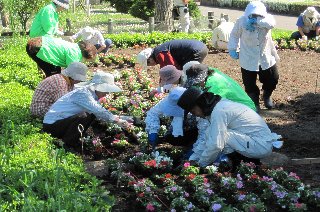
(122, 6)
(194, 9)
(142, 9)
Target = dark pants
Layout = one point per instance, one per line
(67, 129)
(296, 35)
(236, 159)
(269, 79)
(47, 68)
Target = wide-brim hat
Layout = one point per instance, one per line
(76, 71)
(185, 67)
(87, 33)
(169, 106)
(102, 81)
(189, 98)
(311, 12)
(62, 3)
(196, 74)
(169, 74)
(143, 56)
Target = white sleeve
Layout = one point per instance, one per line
(100, 38)
(153, 119)
(215, 137)
(199, 145)
(267, 22)
(235, 36)
(75, 36)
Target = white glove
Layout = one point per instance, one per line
(127, 118)
(304, 37)
(123, 124)
(317, 38)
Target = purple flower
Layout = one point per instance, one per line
(239, 184)
(241, 197)
(216, 207)
(239, 177)
(173, 210)
(317, 194)
(190, 205)
(280, 194)
(225, 182)
(273, 186)
(173, 188)
(186, 194)
(209, 191)
(148, 189)
(267, 179)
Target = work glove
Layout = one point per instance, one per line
(221, 158)
(153, 139)
(234, 54)
(250, 26)
(123, 124)
(304, 37)
(127, 118)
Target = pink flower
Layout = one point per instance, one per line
(103, 100)
(150, 207)
(186, 164)
(294, 175)
(298, 205)
(116, 141)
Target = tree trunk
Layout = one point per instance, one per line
(4, 16)
(163, 15)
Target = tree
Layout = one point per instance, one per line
(20, 11)
(4, 15)
(163, 15)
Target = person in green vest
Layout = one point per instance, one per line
(46, 21)
(214, 81)
(51, 54)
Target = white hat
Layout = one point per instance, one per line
(102, 81)
(169, 105)
(185, 67)
(311, 12)
(87, 33)
(62, 3)
(256, 7)
(76, 71)
(143, 56)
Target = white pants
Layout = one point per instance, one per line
(184, 20)
(246, 146)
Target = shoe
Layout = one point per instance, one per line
(268, 103)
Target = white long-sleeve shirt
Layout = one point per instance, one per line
(97, 37)
(234, 127)
(75, 102)
(256, 48)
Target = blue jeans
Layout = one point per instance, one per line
(107, 42)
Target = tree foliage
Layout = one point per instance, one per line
(20, 11)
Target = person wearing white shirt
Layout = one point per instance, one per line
(94, 37)
(233, 127)
(184, 129)
(81, 106)
(183, 12)
(221, 35)
(258, 55)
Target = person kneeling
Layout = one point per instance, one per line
(81, 106)
(234, 127)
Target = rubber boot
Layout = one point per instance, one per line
(268, 103)
(255, 99)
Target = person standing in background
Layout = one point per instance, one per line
(46, 21)
(181, 7)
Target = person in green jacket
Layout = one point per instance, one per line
(46, 21)
(214, 81)
(51, 54)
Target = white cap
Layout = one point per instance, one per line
(87, 33)
(76, 71)
(143, 56)
(102, 81)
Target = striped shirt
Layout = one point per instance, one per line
(48, 92)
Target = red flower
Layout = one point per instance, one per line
(191, 176)
(254, 176)
(131, 183)
(163, 163)
(141, 194)
(205, 180)
(252, 208)
(168, 176)
(151, 163)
